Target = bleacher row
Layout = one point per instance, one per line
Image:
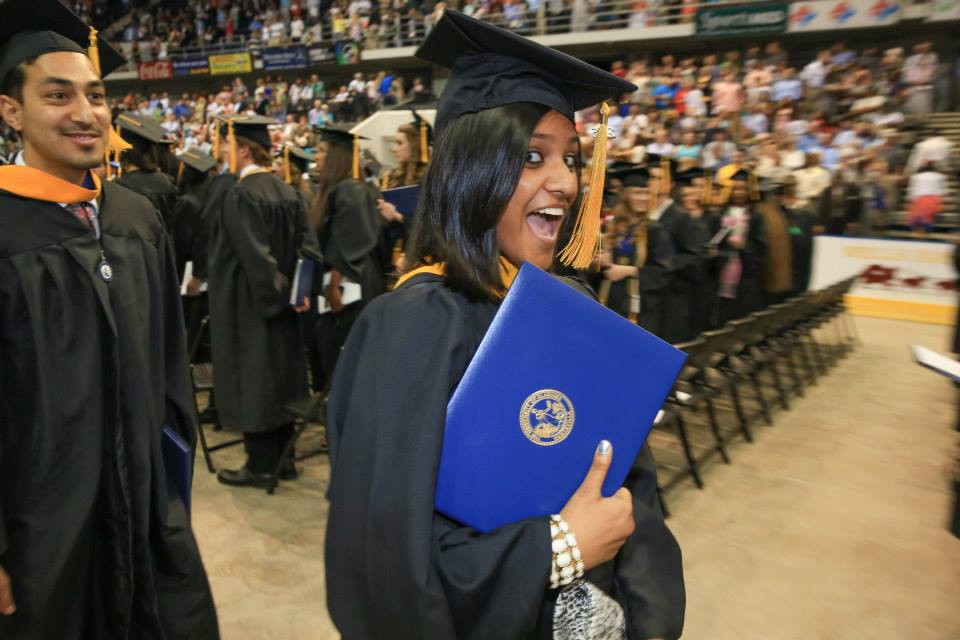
(737, 376)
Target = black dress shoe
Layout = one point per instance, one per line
(289, 472)
(243, 477)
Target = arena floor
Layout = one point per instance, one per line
(831, 526)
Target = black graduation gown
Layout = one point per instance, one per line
(186, 215)
(653, 282)
(686, 240)
(750, 296)
(395, 568)
(703, 293)
(259, 362)
(800, 227)
(160, 190)
(349, 237)
(96, 544)
(209, 212)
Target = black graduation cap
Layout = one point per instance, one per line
(29, 29)
(341, 137)
(140, 126)
(687, 176)
(253, 128)
(297, 156)
(197, 160)
(491, 67)
(425, 131)
(635, 176)
(740, 175)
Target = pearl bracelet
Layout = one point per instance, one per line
(567, 563)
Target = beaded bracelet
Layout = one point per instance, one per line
(567, 563)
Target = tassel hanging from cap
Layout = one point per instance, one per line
(665, 175)
(286, 165)
(424, 143)
(754, 186)
(232, 142)
(654, 194)
(216, 140)
(116, 155)
(180, 173)
(93, 51)
(106, 165)
(584, 241)
(356, 156)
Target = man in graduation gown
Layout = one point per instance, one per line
(95, 540)
(685, 239)
(259, 363)
(141, 170)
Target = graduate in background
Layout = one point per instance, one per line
(221, 183)
(743, 249)
(636, 269)
(294, 164)
(193, 179)
(694, 190)
(95, 540)
(800, 221)
(259, 366)
(504, 174)
(411, 151)
(349, 228)
(141, 166)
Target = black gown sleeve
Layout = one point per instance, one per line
(209, 211)
(250, 241)
(429, 577)
(353, 230)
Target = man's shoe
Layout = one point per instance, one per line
(243, 477)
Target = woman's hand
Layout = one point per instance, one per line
(7, 606)
(388, 212)
(618, 272)
(600, 524)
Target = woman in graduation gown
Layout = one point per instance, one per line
(637, 270)
(348, 228)
(694, 193)
(502, 175)
(743, 249)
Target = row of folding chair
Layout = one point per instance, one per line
(747, 370)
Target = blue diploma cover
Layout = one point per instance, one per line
(555, 374)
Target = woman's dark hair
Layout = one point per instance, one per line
(143, 155)
(474, 171)
(337, 167)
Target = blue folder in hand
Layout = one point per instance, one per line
(302, 286)
(555, 374)
(404, 199)
(178, 463)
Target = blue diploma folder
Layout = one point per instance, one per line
(404, 199)
(302, 286)
(555, 374)
(178, 462)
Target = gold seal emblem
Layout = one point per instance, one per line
(546, 417)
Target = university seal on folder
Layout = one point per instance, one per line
(574, 373)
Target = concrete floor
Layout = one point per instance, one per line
(831, 526)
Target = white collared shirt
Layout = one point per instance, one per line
(659, 210)
(247, 170)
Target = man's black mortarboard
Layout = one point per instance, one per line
(492, 67)
(197, 160)
(294, 156)
(634, 177)
(687, 176)
(135, 126)
(31, 29)
(253, 128)
(345, 139)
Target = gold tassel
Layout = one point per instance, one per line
(180, 173)
(286, 166)
(424, 143)
(232, 141)
(216, 140)
(106, 164)
(93, 52)
(652, 198)
(665, 173)
(754, 187)
(582, 248)
(116, 155)
(356, 156)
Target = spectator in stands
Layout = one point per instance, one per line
(727, 95)
(936, 151)
(791, 157)
(918, 75)
(757, 121)
(788, 88)
(812, 181)
(661, 144)
(719, 151)
(926, 191)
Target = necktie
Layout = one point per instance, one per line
(83, 212)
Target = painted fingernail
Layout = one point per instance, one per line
(604, 448)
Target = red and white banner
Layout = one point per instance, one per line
(156, 70)
(829, 15)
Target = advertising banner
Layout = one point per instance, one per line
(901, 279)
(191, 67)
(347, 52)
(940, 10)
(742, 20)
(827, 15)
(230, 63)
(156, 70)
(285, 58)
